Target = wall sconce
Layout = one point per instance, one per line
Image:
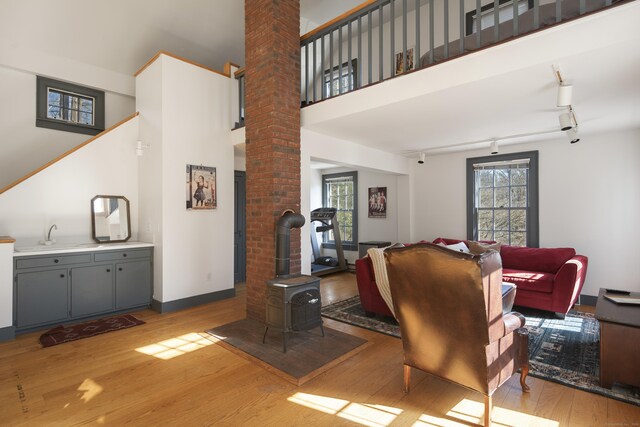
(140, 147)
(421, 158)
(494, 147)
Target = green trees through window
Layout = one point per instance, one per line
(340, 191)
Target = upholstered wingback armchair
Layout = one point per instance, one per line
(449, 307)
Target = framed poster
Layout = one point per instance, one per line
(201, 187)
(400, 61)
(377, 202)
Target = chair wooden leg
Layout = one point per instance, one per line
(407, 378)
(488, 406)
(523, 357)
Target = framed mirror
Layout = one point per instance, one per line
(110, 221)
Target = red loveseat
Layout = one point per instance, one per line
(546, 278)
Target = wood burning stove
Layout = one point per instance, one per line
(293, 304)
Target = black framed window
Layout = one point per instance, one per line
(343, 80)
(502, 199)
(340, 191)
(69, 107)
(487, 17)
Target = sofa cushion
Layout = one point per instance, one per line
(478, 248)
(529, 280)
(547, 260)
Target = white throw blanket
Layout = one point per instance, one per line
(380, 274)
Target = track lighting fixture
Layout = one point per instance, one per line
(565, 121)
(565, 93)
(494, 146)
(568, 121)
(421, 158)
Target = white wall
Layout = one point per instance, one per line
(61, 193)
(26, 147)
(187, 122)
(588, 201)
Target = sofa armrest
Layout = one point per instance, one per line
(568, 283)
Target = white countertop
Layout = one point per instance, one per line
(76, 247)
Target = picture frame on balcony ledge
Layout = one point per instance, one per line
(377, 202)
(201, 187)
(400, 61)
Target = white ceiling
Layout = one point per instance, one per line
(122, 35)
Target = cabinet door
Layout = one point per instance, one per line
(91, 290)
(133, 284)
(41, 297)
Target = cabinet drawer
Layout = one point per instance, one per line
(122, 255)
(50, 261)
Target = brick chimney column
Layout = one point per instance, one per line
(272, 126)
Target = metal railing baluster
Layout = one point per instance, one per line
(349, 56)
(392, 33)
(369, 49)
(478, 23)
(315, 68)
(306, 73)
(446, 29)
(536, 14)
(359, 63)
(496, 20)
(461, 23)
(330, 64)
(340, 60)
(431, 32)
(405, 59)
(515, 18)
(322, 84)
(380, 51)
(416, 54)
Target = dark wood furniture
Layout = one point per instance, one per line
(619, 341)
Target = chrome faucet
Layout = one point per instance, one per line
(53, 227)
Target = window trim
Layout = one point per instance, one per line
(43, 84)
(533, 226)
(346, 245)
(468, 16)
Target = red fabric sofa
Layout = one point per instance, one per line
(546, 278)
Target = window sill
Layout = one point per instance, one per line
(67, 127)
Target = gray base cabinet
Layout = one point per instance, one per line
(50, 289)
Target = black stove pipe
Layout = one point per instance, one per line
(287, 221)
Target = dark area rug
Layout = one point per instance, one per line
(62, 334)
(308, 353)
(565, 351)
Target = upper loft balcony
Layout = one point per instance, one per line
(463, 82)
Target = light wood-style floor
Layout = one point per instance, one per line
(167, 373)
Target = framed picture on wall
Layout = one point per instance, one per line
(201, 187)
(400, 61)
(377, 202)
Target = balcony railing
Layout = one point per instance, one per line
(383, 39)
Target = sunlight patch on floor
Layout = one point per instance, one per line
(173, 347)
(361, 413)
(89, 389)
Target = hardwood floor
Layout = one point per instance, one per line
(167, 373)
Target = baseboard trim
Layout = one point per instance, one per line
(7, 333)
(588, 300)
(181, 304)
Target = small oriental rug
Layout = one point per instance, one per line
(565, 351)
(62, 334)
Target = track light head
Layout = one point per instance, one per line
(565, 93)
(566, 121)
(573, 135)
(421, 158)
(494, 147)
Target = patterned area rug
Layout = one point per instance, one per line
(62, 334)
(565, 351)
